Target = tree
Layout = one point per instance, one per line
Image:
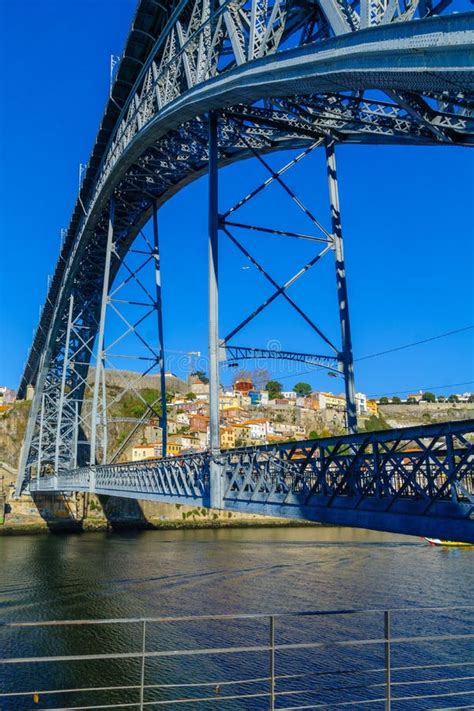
(383, 401)
(441, 398)
(260, 377)
(396, 400)
(190, 396)
(242, 375)
(471, 397)
(412, 401)
(374, 424)
(453, 398)
(273, 389)
(428, 397)
(313, 435)
(201, 375)
(302, 389)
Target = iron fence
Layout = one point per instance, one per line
(282, 662)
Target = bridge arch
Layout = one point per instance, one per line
(159, 141)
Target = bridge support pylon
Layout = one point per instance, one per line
(338, 246)
(161, 345)
(215, 473)
(99, 376)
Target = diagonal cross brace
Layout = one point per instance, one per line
(280, 290)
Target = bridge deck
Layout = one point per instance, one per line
(415, 480)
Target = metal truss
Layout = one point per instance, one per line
(235, 353)
(183, 479)
(128, 344)
(282, 75)
(417, 480)
(72, 420)
(330, 241)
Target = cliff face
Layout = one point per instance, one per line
(12, 430)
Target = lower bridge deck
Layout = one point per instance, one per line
(415, 480)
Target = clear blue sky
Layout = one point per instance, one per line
(407, 217)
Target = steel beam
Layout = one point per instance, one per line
(100, 356)
(346, 353)
(40, 439)
(63, 384)
(213, 255)
(161, 346)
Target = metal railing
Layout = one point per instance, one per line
(301, 660)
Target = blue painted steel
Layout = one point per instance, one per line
(416, 480)
(279, 75)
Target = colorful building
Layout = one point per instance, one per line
(227, 437)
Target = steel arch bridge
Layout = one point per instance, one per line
(202, 84)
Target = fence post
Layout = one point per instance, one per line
(387, 660)
(272, 663)
(142, 674)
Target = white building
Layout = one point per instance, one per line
(328, 401)
(7, 396)
(361, 403)
(289, 395)
(146, 451)
(259, 429)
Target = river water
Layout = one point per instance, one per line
(169, 573)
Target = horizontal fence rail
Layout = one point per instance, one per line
(416, 480)
(314, 659)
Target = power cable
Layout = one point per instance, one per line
(391, 350)
(415, 343)
(428, 388)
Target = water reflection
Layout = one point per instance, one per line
(160, 573)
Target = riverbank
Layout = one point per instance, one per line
(79, 513)
(94, 526)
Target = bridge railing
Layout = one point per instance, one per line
(181, 476)
(405, 657)
(431, 463)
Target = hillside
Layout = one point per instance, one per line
(425, 413)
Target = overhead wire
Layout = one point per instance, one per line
(415, 343)
(393, 350)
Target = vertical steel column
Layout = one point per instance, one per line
(451, 462)
(63, 384)
(142, 669)
(159, 306)
(24, 471)
(75, 438)
(215, 474)
(100, 339)
(40, 441)
(104, 414)
(272, 663)
(388, 690)
(346, 354)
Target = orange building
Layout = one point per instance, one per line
(243, 386)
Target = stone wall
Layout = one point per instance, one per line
(425, 413)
